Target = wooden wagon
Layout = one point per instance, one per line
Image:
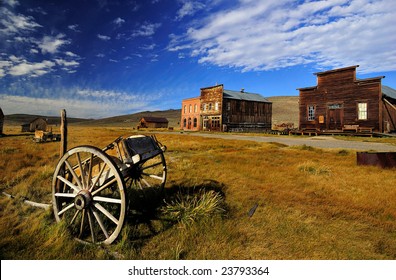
(89, 186)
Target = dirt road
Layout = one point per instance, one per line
(324, 142)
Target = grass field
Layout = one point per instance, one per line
(269, 202)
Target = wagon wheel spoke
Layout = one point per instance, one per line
(152, 165)
(89, 171)
(70, 206)
(105, 186)
(99, 220)
(74, 174)
(107, 199)
(82, 223)
(66, 195)
(153, 176)
(106, 213)
(97, 177)
(81, 169)
(91, 226)
(70, 184)
(146, 183)
(74, 217)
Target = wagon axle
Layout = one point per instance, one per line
(83, 200)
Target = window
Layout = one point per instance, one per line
(190, 108)
(215, 122)
(184, 122)
(210, 106)
(217, 106)
(195, 108)
(185, 108)
(362, 111)
(228, 106)
(311, 113)
(195, 122)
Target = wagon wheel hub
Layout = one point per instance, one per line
(83, 200)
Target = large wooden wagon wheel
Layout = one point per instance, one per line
(88, 195)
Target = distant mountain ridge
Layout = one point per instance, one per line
(284, 110)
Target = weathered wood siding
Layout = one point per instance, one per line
(336, 99)
(389, 113)
(38, 124)
(248, 114)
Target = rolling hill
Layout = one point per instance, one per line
(284, 110)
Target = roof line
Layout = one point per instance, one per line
(336, 70)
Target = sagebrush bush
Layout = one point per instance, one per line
(190, 208)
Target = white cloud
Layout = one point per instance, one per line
(32, 69)
(119, 21)
(103, 37)
(272, 34)
(51, 44)
(74, 27)
(18, 66)
(146, 29)
(67, 63)
(11, 23)
(71, 54)
(189, 8)
(11, 3)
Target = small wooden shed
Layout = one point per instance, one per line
(153, 122)
(36, 124)
(1, 121)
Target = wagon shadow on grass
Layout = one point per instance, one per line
(148, 210)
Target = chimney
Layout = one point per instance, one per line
(242, 90)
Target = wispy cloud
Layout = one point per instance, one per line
(189, 8)
(74, 27)
(146, 29)
(103, 37)
(119, 22)
(11, 23)
(273, 34)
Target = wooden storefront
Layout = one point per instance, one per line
(341, 102)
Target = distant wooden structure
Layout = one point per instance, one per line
(1, 121)
(153, 122)
(341, 102)
(36, 124)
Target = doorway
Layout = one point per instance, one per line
(335, 118)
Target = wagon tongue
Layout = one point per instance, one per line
(83, 199)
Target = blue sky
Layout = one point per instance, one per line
(100, 58)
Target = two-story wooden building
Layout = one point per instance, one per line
(341, 102)
(226, 110)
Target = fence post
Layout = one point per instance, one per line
(63, 129)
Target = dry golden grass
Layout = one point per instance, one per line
(312, 203)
